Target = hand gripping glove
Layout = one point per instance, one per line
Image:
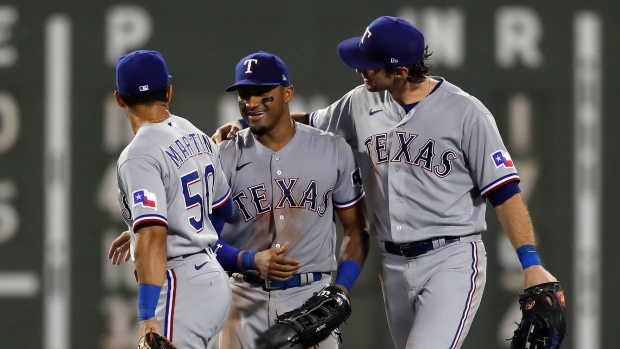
(314, 320)
(154, 340)
(543, 321)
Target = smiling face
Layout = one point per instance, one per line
(264, 107)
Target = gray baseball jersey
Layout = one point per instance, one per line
(426, 171)
(290, 195)
(170, 174)
(177, 185)
(284, 196)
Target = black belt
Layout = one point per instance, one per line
(272, 285)
(418, 248)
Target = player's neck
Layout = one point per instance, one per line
(141, 115)
(408, 93)
(279, 136)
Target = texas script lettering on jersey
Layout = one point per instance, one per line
(377, 150)
(257, 198)
(188, 146)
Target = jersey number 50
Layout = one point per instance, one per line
(194, 200)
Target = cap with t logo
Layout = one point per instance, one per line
(387, 42)
(260, 69)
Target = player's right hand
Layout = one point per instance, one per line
(119, 250)
(226, 131)
(271, 265)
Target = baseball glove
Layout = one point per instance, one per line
(314, 320)
(154, 340)
(543, 321)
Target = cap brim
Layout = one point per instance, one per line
(248, 82)
(351, 55)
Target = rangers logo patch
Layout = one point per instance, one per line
(502, 158)
(356, 177)
(145, 198)
(126, 211)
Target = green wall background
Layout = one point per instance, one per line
(202, 42)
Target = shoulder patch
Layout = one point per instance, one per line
(356, 178)
(144, 198)
(502, 158)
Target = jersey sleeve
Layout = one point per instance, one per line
(141, 180)
(337, 118)
(227, 158)
(486, 153)
(220, 188)
(348, 189)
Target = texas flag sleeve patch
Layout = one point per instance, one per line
(502, 158)
(145, 198)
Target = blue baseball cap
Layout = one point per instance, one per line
(387, 42)
(260, 69)
(141, 72)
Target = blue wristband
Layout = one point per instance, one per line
(247, 260)
(528, 256)
(243, 123)
(348, 271)
(227, 256)
(148, 296)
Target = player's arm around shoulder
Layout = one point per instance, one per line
(227, 131)
(515, 220)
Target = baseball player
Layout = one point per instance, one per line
(431, 155)
(170, 178)
(286, 181)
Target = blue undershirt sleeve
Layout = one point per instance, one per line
(503, 193)
(224, 211)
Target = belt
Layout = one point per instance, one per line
(271, 285)
(418, 248)
(189, 254)
(135, 272)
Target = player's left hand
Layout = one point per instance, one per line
(536, 275)
(149, 325)
(543, 317)
(150, 338)
(272, 265)
(119, 250)
(344, 289)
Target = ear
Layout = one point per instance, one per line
(119, 101)
(169, 93)
(401, 72)
(288, 93)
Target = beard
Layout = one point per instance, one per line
(259, 130)
(371, 86)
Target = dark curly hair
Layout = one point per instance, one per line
(148, 99)
(417, 72)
